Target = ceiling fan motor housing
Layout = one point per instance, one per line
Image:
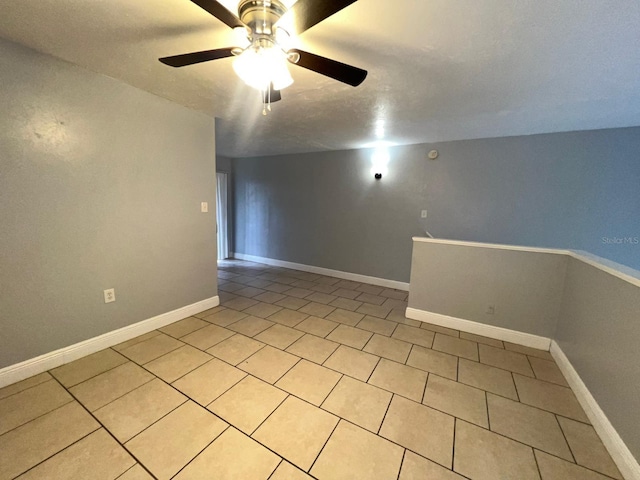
(261, 15)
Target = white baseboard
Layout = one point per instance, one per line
(621, 455)
(499, 333)
(355, 277)
(42, 363)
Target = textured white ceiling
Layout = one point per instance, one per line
(438, 69)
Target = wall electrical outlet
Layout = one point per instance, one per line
(491, 309)
(423, 214)
(204, 207)
(110, 295)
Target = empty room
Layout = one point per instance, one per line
(320, 239)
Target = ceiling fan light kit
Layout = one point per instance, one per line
(263, 63)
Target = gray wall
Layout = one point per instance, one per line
(577, 190)
(599, 330)
(462, 281)
(225, 165)
(100, 187)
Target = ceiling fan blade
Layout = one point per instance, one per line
(331, 68)
(272, 95)
(307, 13)
(196, 57)
(220, 12)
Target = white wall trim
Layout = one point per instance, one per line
(499, 333)
(20, 371)
(355, 277)
(620, 453)
(625, 273)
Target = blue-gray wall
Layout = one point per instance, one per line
(578, 190)
(100, 187)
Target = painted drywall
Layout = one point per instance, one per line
(598, 331)
(100, 187)
(225, 165)
(577, 190)
(525, 288)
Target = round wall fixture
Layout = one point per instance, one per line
(433, 154)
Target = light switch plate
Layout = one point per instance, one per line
(204, 207)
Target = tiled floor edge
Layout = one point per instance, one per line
(33, 366)
(622, 456)
(355, 277)
(468, 326)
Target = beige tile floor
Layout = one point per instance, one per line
(297, 376)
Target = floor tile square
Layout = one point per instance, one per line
(345, 317)
(395, 294)
(313, 348)
(480, 339)
(351, 336)
(505, 359)
(378, 311)
(368, 298)
(135, 473)
(487, 378)
(277, 288)
(390, 348)
(457, 399)
(417, 336)
(377, 325)
(225, 317)
(250, 326)
(175, 364)
(106, 387)
(24, 384)
(292, 303)
(151, 349)
(240, 303)
(269, 297)
(309, 381)
(352, 362)
(248, 403)
(532, 352)
(432, 361)
(528, 425)
(208, 382)
(288, 318)
(346, 304)
(209, 311)
(456, 346)
(269, 364)
(130, 414)
(232, 456)
(421, 429)
(86, 367)
(548, 371)
(297, 431)
(28, 404)
(207, 337)
(484, 455)
(323, 288)
(358, 402)
(438, 329)
(397, 378)
(235, 349)
(347, 293)
(320, 297)
(372, 289)
(184, 327)
(97, 452)
(356, 454)
(587, 448)
(249, 291)
(299, 292)
(394, 304)
(415, 467)
(317, 326)
(169, 444)
(33, 442)
(553, 468)
(551, 397)
(133, 341)
(286, 471)
(348, 284)
(279, 336)
(262, 310)
(317, 309)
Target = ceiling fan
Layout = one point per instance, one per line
(263, 63)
